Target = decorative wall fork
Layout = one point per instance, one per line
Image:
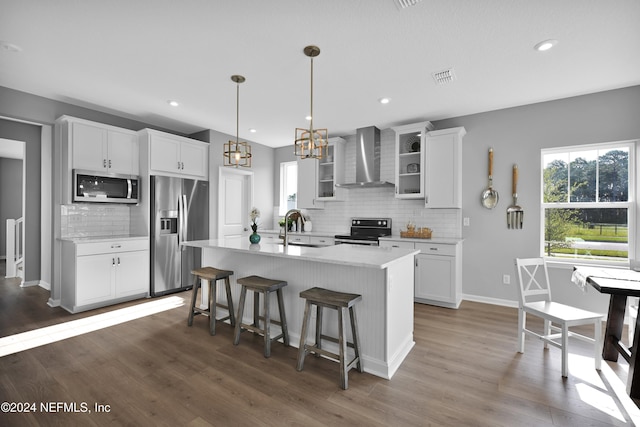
(515, 214)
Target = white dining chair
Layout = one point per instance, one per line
(535, 299)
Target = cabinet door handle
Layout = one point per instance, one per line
(115, 246)
(433, 249)
(109, 164)
(104, 163)
(113, 262)
(181, 165)
(416, 262)
(118, 260)
(178, 165)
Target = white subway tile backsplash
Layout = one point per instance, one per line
(85, 220)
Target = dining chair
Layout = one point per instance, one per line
(535, 299)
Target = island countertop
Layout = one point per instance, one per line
(351, 255)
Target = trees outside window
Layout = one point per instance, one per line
(585, 202)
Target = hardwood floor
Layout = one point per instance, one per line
(463, 370)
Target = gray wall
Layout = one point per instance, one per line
(10, 196)
(30, 134)
(517, 135)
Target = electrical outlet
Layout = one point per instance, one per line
(506, 279)
(465, 222)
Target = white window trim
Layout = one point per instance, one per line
(631, 205)
(282, 197)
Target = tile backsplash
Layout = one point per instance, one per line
(90, 220)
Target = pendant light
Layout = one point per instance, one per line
(237, 153)
(311, 143)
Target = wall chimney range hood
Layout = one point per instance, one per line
(367, 160)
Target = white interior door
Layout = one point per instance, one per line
(235, 191)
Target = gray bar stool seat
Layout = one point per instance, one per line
(260, 285)
(212, 275)
(342, 302)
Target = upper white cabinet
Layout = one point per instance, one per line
(443, 171)
(410, 160)
(317, 179)
(99, 147)
(174, 155)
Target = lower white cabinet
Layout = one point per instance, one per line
(438, 271)
(96, 274)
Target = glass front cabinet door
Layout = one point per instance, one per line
(410, 160)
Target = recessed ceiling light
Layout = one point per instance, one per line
(10, 46)
(173, 103)
(252, 130)
(308, 118)
(384, 100)
(545, 45)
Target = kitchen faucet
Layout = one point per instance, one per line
(286, 223)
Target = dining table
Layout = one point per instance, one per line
(620, 284)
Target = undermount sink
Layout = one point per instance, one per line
(308, 245)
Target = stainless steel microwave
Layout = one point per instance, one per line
(96, 187)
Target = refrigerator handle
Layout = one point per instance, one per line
(180, 219)
(185, 221)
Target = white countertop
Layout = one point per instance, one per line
(302, 233)
(352, 255)
(87, 239)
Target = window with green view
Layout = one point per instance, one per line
(586, 202)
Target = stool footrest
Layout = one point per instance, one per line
(335, 340)
(329, 355)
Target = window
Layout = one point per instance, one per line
(587, 209)
(288, 186)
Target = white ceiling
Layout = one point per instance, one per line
(128, 57)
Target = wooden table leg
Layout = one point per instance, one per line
(633, 380)
(615, 322)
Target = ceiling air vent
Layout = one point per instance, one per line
(444, 76)
(403, 4)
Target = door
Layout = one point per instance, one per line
(165, 256)
(435, 276)
(89, 147)
(235, 198)
(131, 279)
(95, 276)
(196, 226)
(165, 154)
(194, 159)
(122, 150)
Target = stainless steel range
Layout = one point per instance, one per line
(365, 231)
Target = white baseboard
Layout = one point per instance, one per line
(29, 283)
(53, 302)
(487, 300)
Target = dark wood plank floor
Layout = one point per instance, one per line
(464, 370)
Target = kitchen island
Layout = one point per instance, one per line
(383, 276)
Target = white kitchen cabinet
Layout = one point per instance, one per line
(443, 171)
(438, 271)
(102, 148)
(101, 273)
(173, 155)
(410, 160)
(317, 179)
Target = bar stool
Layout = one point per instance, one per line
(260, 285)
(340, 301)
(212, 275)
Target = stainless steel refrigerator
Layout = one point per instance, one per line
(179, 212)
